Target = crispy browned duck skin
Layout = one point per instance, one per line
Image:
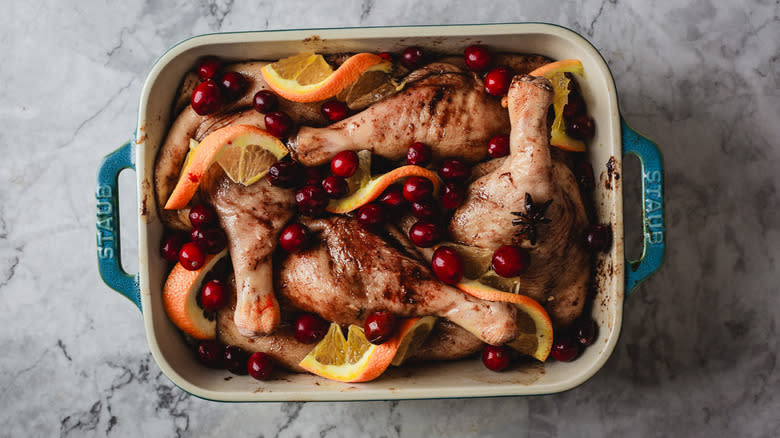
(559, 271)
(189, 124)
(350, 273)
(252, 217)
(441, 106)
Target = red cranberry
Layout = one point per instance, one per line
(380, 327)
(424, 234)
(202, 216)
(447, 265)
(312, 176)
(208, 67)
(426, 209)
(285, 174)
(335, 186)
(213, 296)
(418, 154)
(411, 57)
(211, 353)
(498, 146)
(311, 200)
(580, 127)
(310, 328)
(260, 366)
(278, 124)
(495, 358)
(585, 330)
(454, 170)
(477, 57)
(191, 256)
(207, 98)
(453, 196)
(510, 261)
(598, 238)
(210, 240)
(172, 245)
(393, 198)
(371, 215)
(386, 56)
(574, 107)
(236, 359)
(233, 84)
(584, 173)
(294, 237)
(344, 164)
(417, 188)
(565, 349)
(497, 81)
(334, 110)
(265, 101)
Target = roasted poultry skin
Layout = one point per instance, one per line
(441, 106)
(252, 217)
(559, 271)
(189, 125)
(350, 273)
(347, 272)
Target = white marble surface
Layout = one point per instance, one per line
(699, 351)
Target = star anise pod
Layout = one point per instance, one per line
(531, 218)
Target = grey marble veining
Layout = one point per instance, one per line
(699, 349)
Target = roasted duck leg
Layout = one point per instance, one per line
(442, 106)
(559, 269)
(350, 273)
(252, 217)
(189, 125)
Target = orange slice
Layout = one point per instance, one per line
(306, 77)
(554, 71)
(241, 144)
(180, 294)
(536, 331)
(414, 332)
(351, 359)
(373, 187)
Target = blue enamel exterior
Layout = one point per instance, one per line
(107, 220)
(653, 220)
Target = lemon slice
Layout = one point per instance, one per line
(414, 331)
(350, 359)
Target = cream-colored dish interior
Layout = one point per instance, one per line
(455, 379)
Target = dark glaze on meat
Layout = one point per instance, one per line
(559, 270)
(442, 106)
(350, 273)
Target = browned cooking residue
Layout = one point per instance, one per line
(524, 373)
(141, 134)
(613, 174)
(313, 39)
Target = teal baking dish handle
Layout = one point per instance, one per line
(107, 222)
(653, 220)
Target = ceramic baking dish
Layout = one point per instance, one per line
(616, 276)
